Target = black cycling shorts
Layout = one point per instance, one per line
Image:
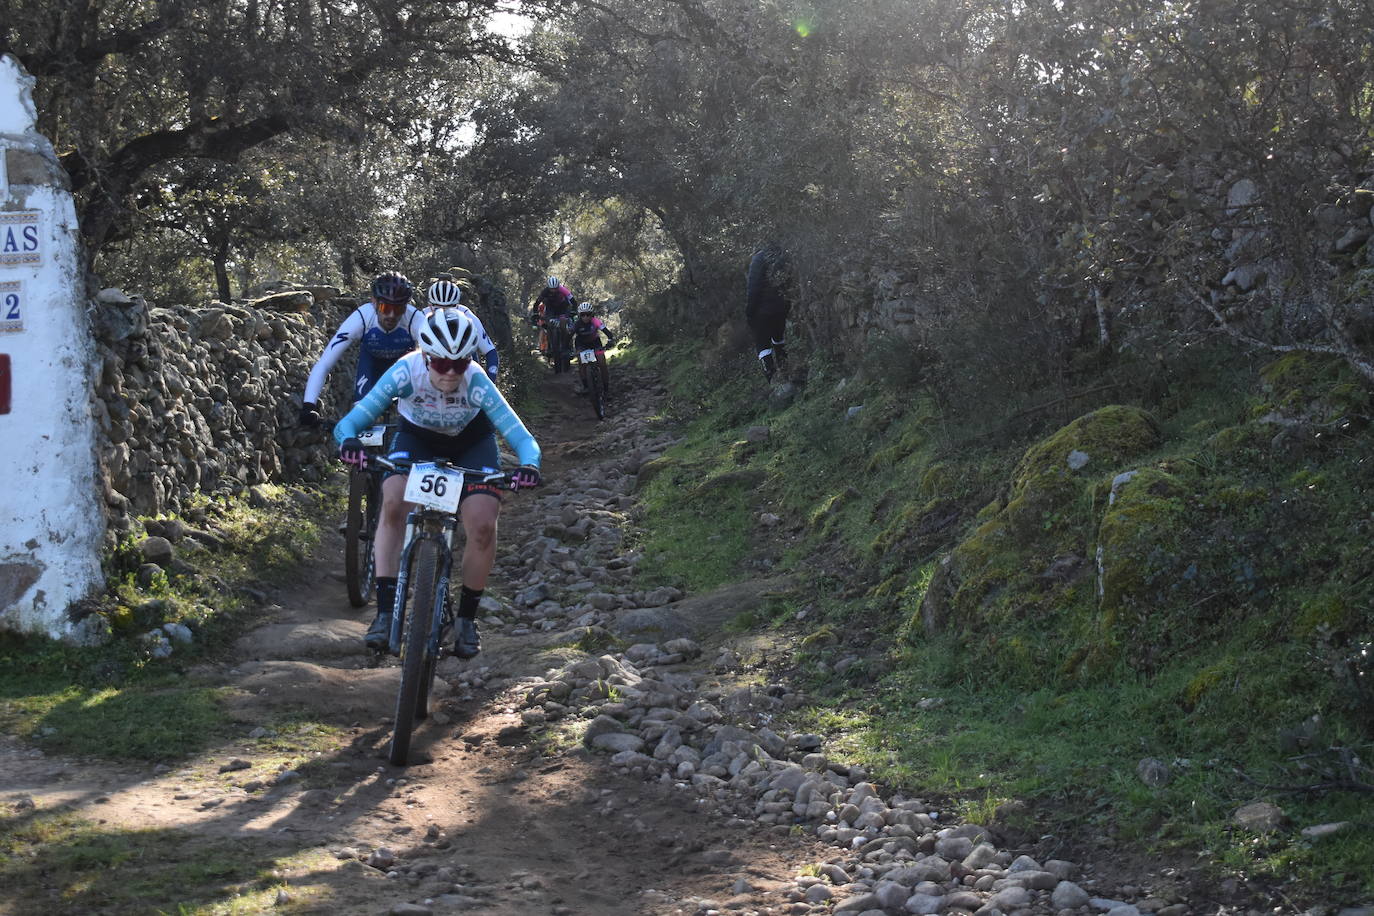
(474, 447)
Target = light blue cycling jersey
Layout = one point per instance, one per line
(418, 401)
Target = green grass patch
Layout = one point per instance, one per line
(120, 700)
(699, 526)
(1072, 755)
(134, 723)
(54, 862)
(773, 613)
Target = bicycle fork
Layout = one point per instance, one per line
(414, 535)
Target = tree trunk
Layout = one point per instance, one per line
(221, 259)
(1104, 331)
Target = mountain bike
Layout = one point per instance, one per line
(559, 328)
(422, 621)
(592, 375)
(360, 525)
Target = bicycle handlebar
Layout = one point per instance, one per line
(503, 478)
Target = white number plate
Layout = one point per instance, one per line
(587, 356)
(374, 436)
(435, 487)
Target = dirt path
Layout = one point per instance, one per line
(534, 790)
(491, 823)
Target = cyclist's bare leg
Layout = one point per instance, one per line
(391, 525)
(480, 511)
(387, 558)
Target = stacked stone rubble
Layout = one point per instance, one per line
(207, 399)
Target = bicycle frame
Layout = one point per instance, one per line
(431, 529)
(425, 523)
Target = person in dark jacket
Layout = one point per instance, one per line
(767, 306)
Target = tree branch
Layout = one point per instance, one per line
(1346, 351)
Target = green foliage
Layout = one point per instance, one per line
(597, 641)
(1200, 609)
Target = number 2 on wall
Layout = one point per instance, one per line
(11, 306)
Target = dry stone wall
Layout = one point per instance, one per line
(207, 399)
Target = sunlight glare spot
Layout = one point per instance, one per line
(803, 27)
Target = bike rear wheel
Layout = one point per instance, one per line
(417, 667)
(362, 508)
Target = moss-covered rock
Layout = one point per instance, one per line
(1137, 545)
(1312, 387)
(1052, 472)
(651, 469)
(1047, 514)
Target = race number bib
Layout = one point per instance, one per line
(587, 356)
(435, 487)
(373, 436)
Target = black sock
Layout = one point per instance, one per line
(467, 601)
(386, 594)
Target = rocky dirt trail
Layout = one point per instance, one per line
(490, 821)
(553, 781)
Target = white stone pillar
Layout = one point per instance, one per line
(51, 517)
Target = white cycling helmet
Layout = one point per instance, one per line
(586, 308)
(444, 292)
(553, 283)
(448, 333)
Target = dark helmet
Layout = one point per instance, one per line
(392, 288)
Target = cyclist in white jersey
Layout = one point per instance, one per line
(386, 329)
(447, 294)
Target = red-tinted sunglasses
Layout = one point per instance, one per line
(390, 308)
(442, 365)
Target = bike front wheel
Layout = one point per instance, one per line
(558, 347)
(417, 667)
(358, 540)
(598, 392)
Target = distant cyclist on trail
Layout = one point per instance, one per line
(448, 409)
(554, 301)
(587, 331)
(386, 326)
(767, 306)
(448, 294)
